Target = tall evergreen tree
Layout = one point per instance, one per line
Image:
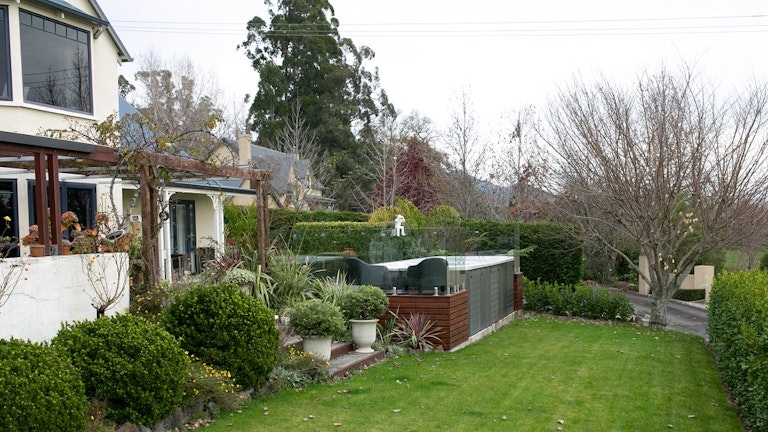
(301, 59)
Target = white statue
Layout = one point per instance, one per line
(399, 230)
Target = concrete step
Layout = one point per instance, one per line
(345, 360)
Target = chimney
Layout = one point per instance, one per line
(244, 149)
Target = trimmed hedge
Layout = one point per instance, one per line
(738, 331)
(556, 257)
(689, 294)
(134, 366)
(225, 328)
(582, 301)
(39, 389)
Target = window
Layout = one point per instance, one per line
(55, 61)
(76, 197)
(8, 232)
(5, 58)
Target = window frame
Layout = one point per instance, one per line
(86, 221)
(5, 32)
(89, 109)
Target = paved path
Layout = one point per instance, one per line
(681, 316)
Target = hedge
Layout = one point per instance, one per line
(582, 301)
(738, 331)
(689, 294)
(556, 257)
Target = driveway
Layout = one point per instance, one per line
(681, 316)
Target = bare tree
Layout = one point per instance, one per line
(176, 94)
(468, 157)
(308, 166)
(107, 276)
(381, 155)
(663, 162)
(518, 166)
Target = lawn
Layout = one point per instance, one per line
(536, 374)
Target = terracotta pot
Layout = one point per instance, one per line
(36, 250)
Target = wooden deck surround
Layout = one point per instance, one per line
(449, 312)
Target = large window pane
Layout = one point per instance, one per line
(5, 62)
(55, 61)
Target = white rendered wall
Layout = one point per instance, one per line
(55, 289)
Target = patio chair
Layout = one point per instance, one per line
(429, 273)
(361, 273)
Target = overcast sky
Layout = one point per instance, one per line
(505, 54)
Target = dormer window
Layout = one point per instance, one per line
(5, 62)
(56, 63)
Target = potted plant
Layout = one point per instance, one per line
(243, 278)
(317, 323)
(363, 306)
(33, 241)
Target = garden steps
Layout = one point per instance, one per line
(344, 359)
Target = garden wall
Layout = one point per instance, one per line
(55, 289)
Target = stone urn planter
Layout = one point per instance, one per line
(363, 334)
(318, 347)
(363, 306)
(317, 323)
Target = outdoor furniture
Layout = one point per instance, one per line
(361, 273)
(429, 273)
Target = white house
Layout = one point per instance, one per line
(58, 63)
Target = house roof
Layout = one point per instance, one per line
(100, 20)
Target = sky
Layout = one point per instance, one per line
(505, 55)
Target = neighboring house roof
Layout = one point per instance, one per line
(277, 163)
(100, 19)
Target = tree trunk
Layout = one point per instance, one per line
(148, 245)
(659, 310)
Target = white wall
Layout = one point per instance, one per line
(52, 290)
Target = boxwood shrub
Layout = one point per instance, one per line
(738, 331)
(39, 389)
(225, 328)
(582, 301)
(135, 367)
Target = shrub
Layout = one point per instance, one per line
(689, 294)
(296, 369)
(239, 277)
(331, 289)
(366, 302)
(136, 367)
(39, 389)
(315, 318)
(416, 332)
(443, 215)
(227, 329)
(291, 280)
(210, 389)
(738, 331)
(581, 301)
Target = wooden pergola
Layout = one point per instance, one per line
(48, 156)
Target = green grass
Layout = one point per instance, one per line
(525, 377)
